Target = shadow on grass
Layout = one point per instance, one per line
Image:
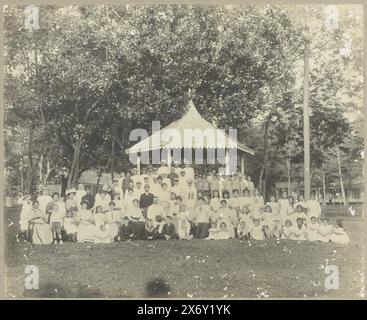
(157, 288)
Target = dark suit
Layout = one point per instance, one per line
(146, 200)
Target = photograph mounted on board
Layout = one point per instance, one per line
(184, 151)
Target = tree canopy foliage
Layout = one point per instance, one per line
(76, 86)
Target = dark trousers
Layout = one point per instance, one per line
(137, 228)
(202, 230)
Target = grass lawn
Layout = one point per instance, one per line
(191, 269)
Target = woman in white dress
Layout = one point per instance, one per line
(339, 235)
(314, 207)
(41, 230)
(114, 219)
(283, 205)
(86, 228)
(215, 201)
(325, 230)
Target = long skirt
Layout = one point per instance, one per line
(42, 233)
(86, 232)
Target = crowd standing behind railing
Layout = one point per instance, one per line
(173, 203)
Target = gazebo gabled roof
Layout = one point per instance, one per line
(191, 120)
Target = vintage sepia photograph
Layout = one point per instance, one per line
(183, 151)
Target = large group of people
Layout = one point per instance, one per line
(173, 203)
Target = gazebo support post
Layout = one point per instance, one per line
(138, 163)
(169, 159)
(242, 164)
(227, 162)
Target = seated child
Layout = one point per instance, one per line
(287, 230)
(175, 220)
(298, 213)
(243, 231)
(312, 230)
(159, 223)
(150, 231)
(277, 228)
(219, 234)
(267, 217)
(103, 235)
(267, 231)
(257, 232)
(325, 231)
(70, 227)
(245, 215)
(184, 230)
(300, 230)
(168, 230)
(339, 234)
(126, 231)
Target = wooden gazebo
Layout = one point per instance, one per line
(190, 132)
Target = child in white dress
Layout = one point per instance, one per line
(219, 234)
(312, 230)
(183, 230)
(70, 226)
(103, 235)
(114, 219)
(287, 230)
(25, 216)
(257, 232)
(300, 230)
(243, 230)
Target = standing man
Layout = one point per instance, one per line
(189, 171)
(125, 182)
(88, 198)
(80, 193)
(172, 176)
(146, 200)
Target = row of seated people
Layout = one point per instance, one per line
(202, 221)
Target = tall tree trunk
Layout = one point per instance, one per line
(289, 174)
(266, 154)
(306, 123)
(40, 166)
(21, 176)
(112, 167)
(30, 186)
(74, 170)
(341, 177)
(323, 188)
